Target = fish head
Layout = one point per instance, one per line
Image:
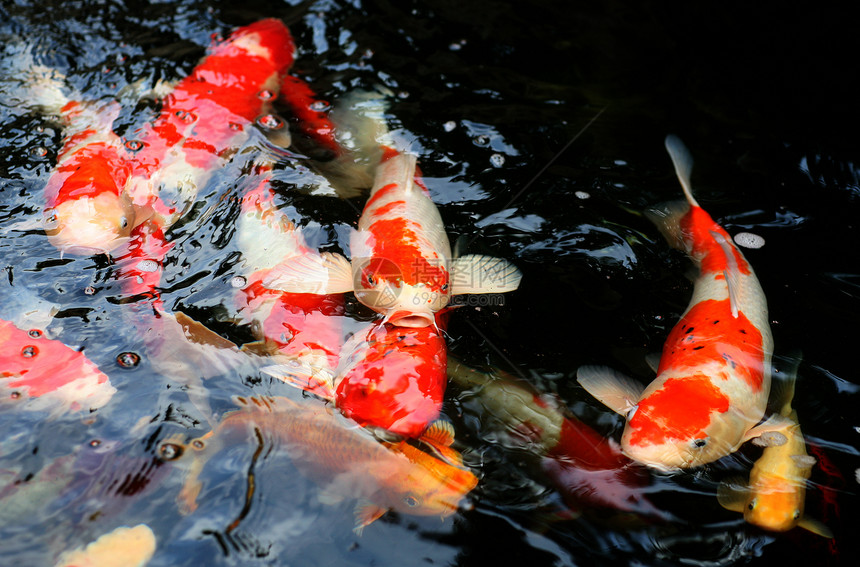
(775, 502)
(90, 225)
(394, 378)
(683, 422)
(384, 286)
(429, 486)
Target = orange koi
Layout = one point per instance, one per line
(344, 459)
(714, 375)
(774, 497)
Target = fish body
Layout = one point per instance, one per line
(401, 264)
(304, 328)
(47, 373)
(587, 469)
(104, 186)
(714, 374)
(775, 494)
(344, 460)
(122, 547)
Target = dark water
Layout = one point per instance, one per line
(539, 129)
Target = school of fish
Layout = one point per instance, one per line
(373, 429)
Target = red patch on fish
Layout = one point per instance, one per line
(681, 409)
(399, 380)
(709, 332)
(697, 226)
(396, 240)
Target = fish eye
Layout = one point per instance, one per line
(699, 443)
(370, 280)
(411, 500)
(752, 504)
(445, 287)
(123, 222)
(796, 514)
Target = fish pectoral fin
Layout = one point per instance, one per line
(438, 438)
(199, 333)
(776, 426)
(302, 373)
(323, 274)
(615, 390)
(732, 494)
(815, 527)
(475, 273)
(366, 513)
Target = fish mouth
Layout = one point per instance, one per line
(410, 319)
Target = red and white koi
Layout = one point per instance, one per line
(401, 257)
(47, 374)
(105, 186)
(714, 375)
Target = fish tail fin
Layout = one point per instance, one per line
(683, 162)
(362, 135)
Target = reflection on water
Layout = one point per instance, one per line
(493, 98)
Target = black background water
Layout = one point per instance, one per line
(539, 128)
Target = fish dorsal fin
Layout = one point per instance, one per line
(732, 494)
(815, 527)
(475, 273)
(324, 273)
(731, 273)
(440, 433)
(304, 375)
(615, 390)
(197, 332)
(782, 385)
(366, 513)
(683, 162)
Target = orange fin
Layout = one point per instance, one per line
(439, 437)
(366, 513)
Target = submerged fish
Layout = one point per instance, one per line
(714, 376)
(343, 459)
(47, 373)
(123, 547)
(587, 469)
(774, 497)
(401, 262)
(387, 376)
(104, 186)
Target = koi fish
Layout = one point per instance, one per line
(49, 374)
(347, 461)
(387, 377)
(304, 328)
(401, 257)
(587, 469)
(105, 186)
(713, 379)
(123, 547)
(774, 497)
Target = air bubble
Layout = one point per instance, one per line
(29, 351)
(320, 106)
(34, 334)
(238, 282)
(266, 94)
(270, 122)
(449, 126)
(497, 160)
(481, 140)
(128, 359)
(133, 145)
(169, 451)
(89, 290)
(582, 195)
(38, 151)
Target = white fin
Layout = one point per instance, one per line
(782, 386)
(683, 162)
(305, 373)
(803, 461)
(474, 273)
(770, 439)
(731, 273)
(732, 494)
(815, 527)
(667, 218)
(615, 390)
(310, 273)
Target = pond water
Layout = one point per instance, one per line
(539, 129)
